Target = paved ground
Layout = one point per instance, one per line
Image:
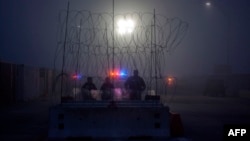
(25, 121)
(203, 117)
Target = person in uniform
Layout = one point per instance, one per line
(87, 87)
(107, 89)
(135, 85)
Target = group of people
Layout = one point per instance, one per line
(135, 85)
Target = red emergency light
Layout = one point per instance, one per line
(77, 76)
(117, 73)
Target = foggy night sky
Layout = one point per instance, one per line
(29, 30)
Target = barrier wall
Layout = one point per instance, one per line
(7, 83)
(24, 83)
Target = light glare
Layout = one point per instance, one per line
(208, 4)
(125, 26)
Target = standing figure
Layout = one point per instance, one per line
(87, 87)
(107, 89)
(135, 85)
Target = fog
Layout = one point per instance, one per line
(216, 35)
(204, 75)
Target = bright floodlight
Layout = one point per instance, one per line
(208, 3)
(125, 26)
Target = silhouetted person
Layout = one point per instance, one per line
(107, 89)
(135, 84)
(87, 87)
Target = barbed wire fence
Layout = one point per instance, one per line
(89, 48)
